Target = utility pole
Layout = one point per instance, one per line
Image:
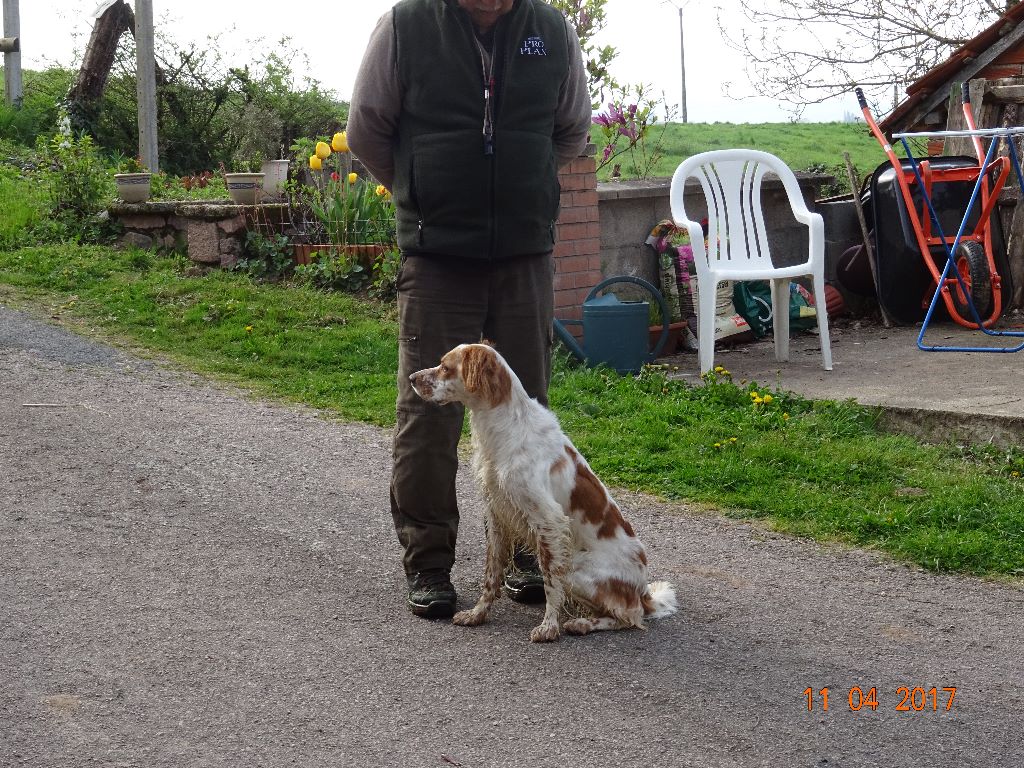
(682, 60)
(10, 44)
(145, 73)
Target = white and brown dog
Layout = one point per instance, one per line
(539, 490)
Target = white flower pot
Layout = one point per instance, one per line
(133, 187)
(244, 188)
(275, 174)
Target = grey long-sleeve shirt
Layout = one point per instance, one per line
(377, 103)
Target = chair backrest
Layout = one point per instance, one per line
(731, 180)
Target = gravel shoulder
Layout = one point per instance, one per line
(193, 577)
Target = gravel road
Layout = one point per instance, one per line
(193, 577)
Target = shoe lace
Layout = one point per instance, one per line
(431, 578)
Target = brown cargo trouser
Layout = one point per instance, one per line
(444, 302)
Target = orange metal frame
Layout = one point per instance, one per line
(923, 224)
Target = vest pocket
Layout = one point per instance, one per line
(450, 180)
(526, 189)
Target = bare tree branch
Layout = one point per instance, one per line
(808, 51)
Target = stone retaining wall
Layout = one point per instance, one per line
(629, 209)
(209, 233)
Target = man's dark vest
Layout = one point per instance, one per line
(452, 195)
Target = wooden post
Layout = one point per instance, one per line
(146, 84)
(868, 247)
(13, 88)
(955, 120)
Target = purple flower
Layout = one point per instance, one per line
(603, 119)
(607, 153)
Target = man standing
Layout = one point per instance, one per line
(465, 109)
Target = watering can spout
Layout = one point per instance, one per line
(568, 339)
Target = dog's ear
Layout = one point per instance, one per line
(484, 375)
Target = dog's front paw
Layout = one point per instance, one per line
(470, 618)
(544, 633)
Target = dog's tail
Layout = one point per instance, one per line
(659, 600)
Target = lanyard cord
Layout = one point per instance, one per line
(487, 70)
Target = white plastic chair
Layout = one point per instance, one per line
(737, 241)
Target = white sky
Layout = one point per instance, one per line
(333, 34)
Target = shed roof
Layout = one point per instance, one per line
(925, 93)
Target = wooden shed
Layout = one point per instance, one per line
(993, 65)
(993, 62)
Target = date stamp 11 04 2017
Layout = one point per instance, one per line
(908, 698)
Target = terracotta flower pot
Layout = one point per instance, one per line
(365, 254)
(675, 331)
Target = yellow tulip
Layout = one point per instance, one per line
(381, 190)
(315, 163)
(340, 142)
(352, 177)
(322, 150)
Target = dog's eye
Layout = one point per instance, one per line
(444, 368)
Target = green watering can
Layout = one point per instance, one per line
(615, 333)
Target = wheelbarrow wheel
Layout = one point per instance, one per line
(972, 263)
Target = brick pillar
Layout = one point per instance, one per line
(578, 244)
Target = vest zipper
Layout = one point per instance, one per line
(487, 71)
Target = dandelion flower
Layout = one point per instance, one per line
(323, 151)
(785, 416)
(718, 445)
(248, 329)
(315, 163)
(768, 398)
(719, 369)
(754, 395)
(733, 439)
(352, 177)
(340, 142)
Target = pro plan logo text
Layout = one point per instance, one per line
(533, 46)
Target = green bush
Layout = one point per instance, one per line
(266, 257)
(205, 108)
(39, 109)
(78, 185)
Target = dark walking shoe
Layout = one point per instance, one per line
(523, 580)
(431, 594)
